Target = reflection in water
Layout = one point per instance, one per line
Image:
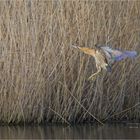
(72, 132)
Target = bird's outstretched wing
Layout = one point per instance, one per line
(114, 55)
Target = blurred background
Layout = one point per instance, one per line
(43, 79)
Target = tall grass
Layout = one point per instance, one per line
(43, 79)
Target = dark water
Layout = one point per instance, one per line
(108, 131)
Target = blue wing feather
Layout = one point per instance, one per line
(125, 54)
(117, 55)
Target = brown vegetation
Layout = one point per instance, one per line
(43, 78)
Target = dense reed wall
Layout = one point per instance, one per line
(43, 78)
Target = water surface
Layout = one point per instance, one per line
(108, 131)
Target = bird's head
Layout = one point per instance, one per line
(86, 50)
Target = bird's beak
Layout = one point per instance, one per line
(85, 50)
(77, 47)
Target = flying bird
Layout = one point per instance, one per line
(105, 56)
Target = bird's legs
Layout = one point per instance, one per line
(94, 74)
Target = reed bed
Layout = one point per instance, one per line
(43, 79)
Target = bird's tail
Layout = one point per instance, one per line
(125, 54)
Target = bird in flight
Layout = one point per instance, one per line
(105, 56)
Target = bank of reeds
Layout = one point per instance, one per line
(43, 78)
